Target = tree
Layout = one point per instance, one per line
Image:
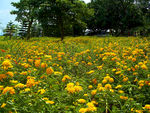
(26, 11)
(10, 30)
(119, 15)
(63, 16)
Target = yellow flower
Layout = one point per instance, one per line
(82, 101)
(1, 87)
(50, 102)
(118, 86)
(19, 85)
(93, 92)
(57, 73)
(13, 81)
(111, 80)
(42, 91)
(90, 72)
(43, 65)
(120, 91)
(147, 106)
(10, 74)
(104, 81)
(8, 89)
(144, 67)
(108, 86)
(123, 97)
(3, 105)
(45, 98)
(49, 71)
(71, 90)
(78, 88)
(69, 85)
(91, 107)
(2, 76)
(83, 110)
(85, 95)
(90, 86)
(118, 72)
(37, 63)
(27, 89)
(125, 79)
(7, 64)
(101, 89)
(113, 70)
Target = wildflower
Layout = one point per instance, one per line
(101, 89)
(118, 86)
(69, 85)
(123, 97)
(10, 74)
(90, 86)
(43, 65)
(125, 79)
(27, 89)
(108, 86)
(57, 73)
(76, 64)
(147, 106)
(78, 88)
(85, 95)
(49, 71)
(71, 90)
(37, 63)
(6, 64)
(42, 91)
(24, 73)
(94, 81)
(3, 105)
(8, 89)
(14, 81)
(133, 59)
(99, 67)
(93, 92)
(89, 63)
(104, 81)
(1, 87)
(91, 107)
(83, 110)
(113, 70)
(120, 91)
(111, 80)
(44, 98)
(2, 50)
(19, 85)
(90, 72)
(144, 67)
(118, 72)
(30, 60)
(50, 102)
(31, 82)
(82, 101)
(2, 76)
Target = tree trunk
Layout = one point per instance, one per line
(29, 29)
(61, 25)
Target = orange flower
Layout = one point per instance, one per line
(49, 71)
(8, 89)
(2, 76)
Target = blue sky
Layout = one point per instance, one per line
(5, 16)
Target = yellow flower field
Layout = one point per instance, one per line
(78, 75)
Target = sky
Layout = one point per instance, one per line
(5, 16)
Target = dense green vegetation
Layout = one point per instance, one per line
(59, 18)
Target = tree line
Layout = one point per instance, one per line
(61, 18)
